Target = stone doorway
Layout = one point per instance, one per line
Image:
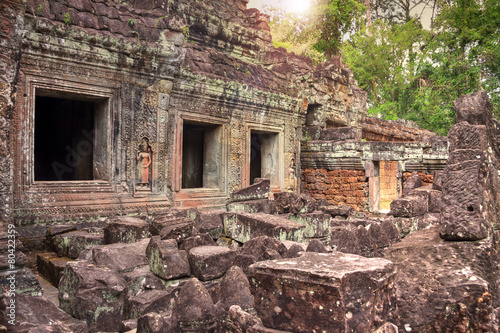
(384, 185)
(264, 156)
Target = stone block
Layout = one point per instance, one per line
(155, 323)
(466, 136)
(240, 321)
(51, 266)
(473, 108)
(463, 216)
(410, 206)
(433, 197)
(338, 211)
(413, 182)
(125, 229)
(252, 206)
(194, 310)
(259, 190)
(210, 262)
(161, 221)
(38, 314)
(339, 133)
(25, 282)
(166, 260)
(210, 222)
(319, 292)
(142, 279)
(70, 244)
(197, 240)
(264, 248)
(179, 232)
(293, 203)
(93, 294)
(437, 184)
(150, 301)
(122, 257)
(243, 227)
(317, 224)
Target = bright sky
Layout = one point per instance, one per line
(297, 6)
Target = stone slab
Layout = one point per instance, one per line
(210, 262)
(259, 190)
(125, 229)
(243, 227)
(317, 224)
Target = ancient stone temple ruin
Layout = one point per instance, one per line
(168, 170)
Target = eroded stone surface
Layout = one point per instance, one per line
(243, 227)
(166, 260)
(93, 294)
(125, 229)
(443, 284)
(323, 292)
(210, 262)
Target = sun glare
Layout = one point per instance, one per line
(298, 6)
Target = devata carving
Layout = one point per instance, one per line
(144, 160)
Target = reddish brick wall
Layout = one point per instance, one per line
(426, 178)
(339, 187)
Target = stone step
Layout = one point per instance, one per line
(51, 266)
(243, 227)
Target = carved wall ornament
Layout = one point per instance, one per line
(144, 160)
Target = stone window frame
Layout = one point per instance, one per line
(200, 192)
(280, 131)
(60, 88)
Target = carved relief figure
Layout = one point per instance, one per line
(144, 158)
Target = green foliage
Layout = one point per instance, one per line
(39, 9)
(67, 19)
(332, 20)
(131, 22)
(416, 74)
(291, 32)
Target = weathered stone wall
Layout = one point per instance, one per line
(339, 187)
(152, 69)
(11, 21)
(427, 179)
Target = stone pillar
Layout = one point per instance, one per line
(11, 21)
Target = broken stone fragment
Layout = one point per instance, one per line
(162, 220)
(317, 246)
(210, 262)
(244, 227)
(433, 197)
(259, 190)
(197, 240)
(239, 320)
(142, 279)
(293, 203)
(317, 224)
(166, 260)
(234, 290)
(122, 257)
(264, 248)
(125, 229)
(25, 281)
(70, 244)
(317, 292)
(179, 231)
(38, 314)
(210, 222)
(155, 323)
(410, 206)
(338, 211)
(252, 206)
(413, 182)
(93, 294)
(194, 310)
(150, 301)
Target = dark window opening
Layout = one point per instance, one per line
(255, 157)
(64, 139)
(201, 155)
(192, 156)
(312, 114)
